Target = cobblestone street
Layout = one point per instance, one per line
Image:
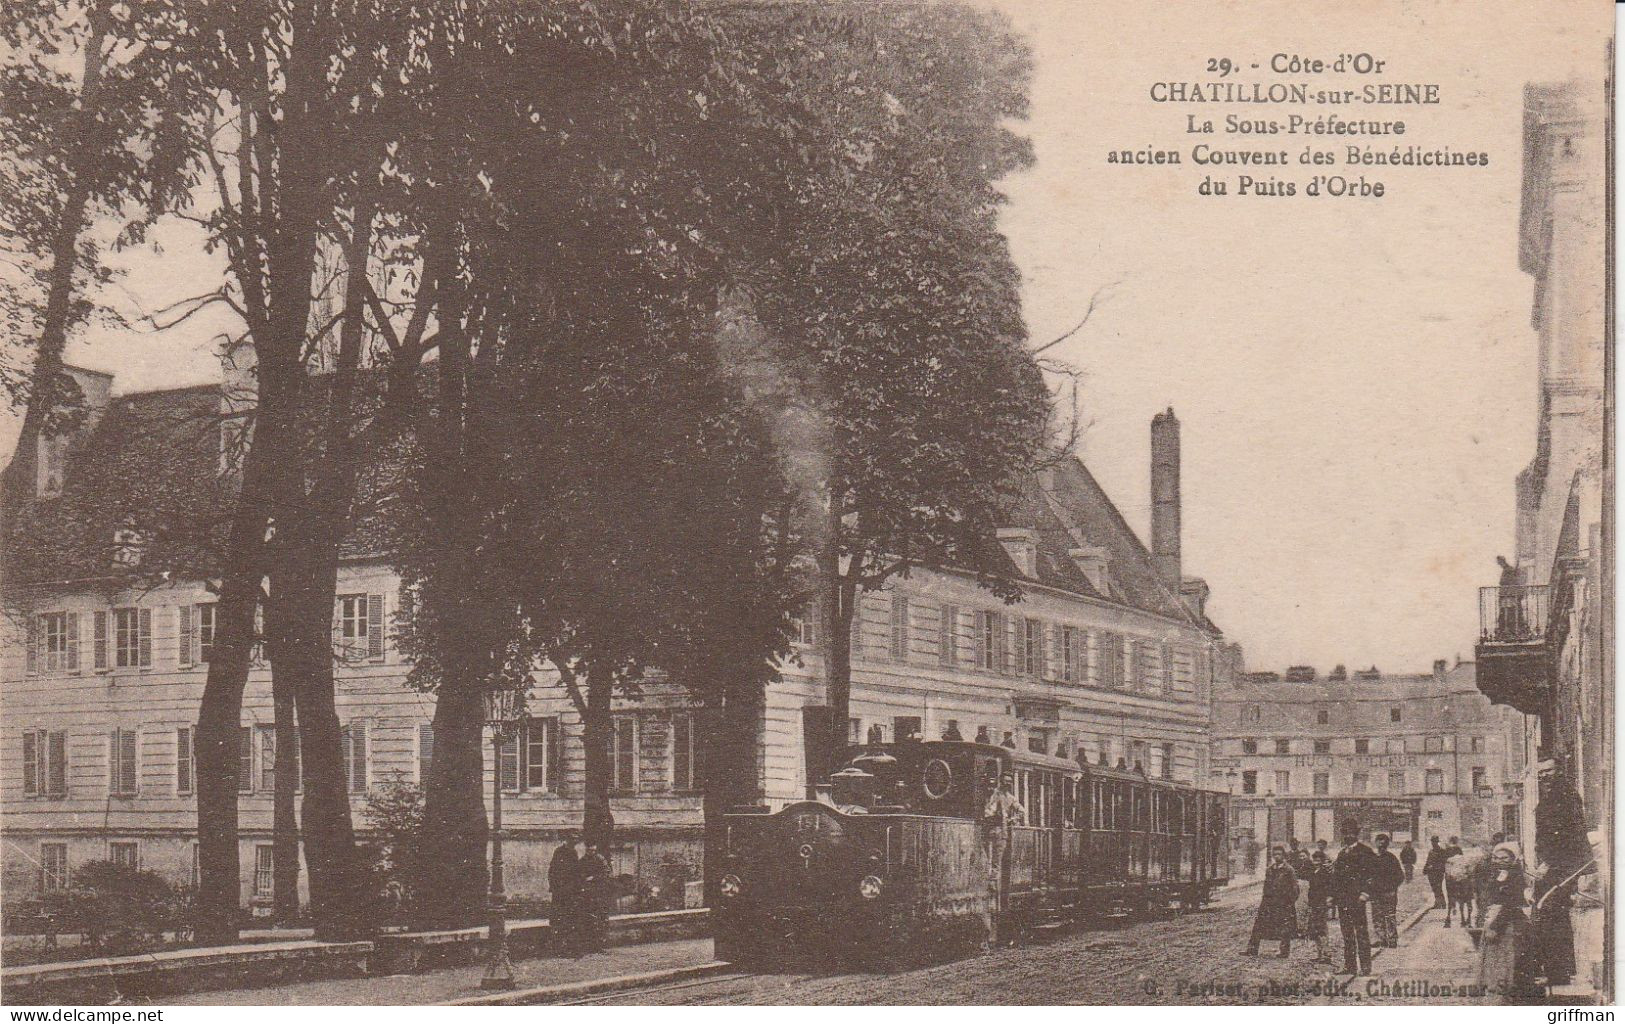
(1196, 959)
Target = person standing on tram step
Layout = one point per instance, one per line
(1009, 741)
(1356, 867)
(1277, 910)
(1322, 883)
(1407, 858)
(951, 733)
(1003, 810)
(1433, 868)
(564, 889)
(1385, 885)
(982, 736)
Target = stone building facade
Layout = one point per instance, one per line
(1414, 755)
(1109, 653)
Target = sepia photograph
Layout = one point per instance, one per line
(806, 502)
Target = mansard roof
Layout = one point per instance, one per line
(152, 463)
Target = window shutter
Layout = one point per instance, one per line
(682, 752)
(899, 627)
(358, 757)
(375, 626)
(56, 763)
(128, 761)
(256, 650)
(855, 633)
(112, 762)
(946, 638)
(184, 656)
(145, 637)
(1041, 641)
(341, 652)
(99, 645)
(425, 750)
(245, 759)
(1001, 642)
(508, 763)
(31, 772)
(555, 756)
(33, 644)
(73, 642)
(183, 759)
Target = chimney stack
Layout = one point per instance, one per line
(1165, 497)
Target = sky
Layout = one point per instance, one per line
(1355, 379)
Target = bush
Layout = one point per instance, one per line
(394, 814)
(122, 910)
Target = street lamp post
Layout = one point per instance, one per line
(503, 706)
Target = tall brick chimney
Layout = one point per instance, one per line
(1165, 496)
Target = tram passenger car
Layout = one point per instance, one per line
(897, 859)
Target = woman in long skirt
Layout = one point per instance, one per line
(1504, 925)
(1277, 911)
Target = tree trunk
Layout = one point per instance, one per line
(45, 390)
(453, 873)
(284, 800)
(216, 750)
(597, 823)
(302, 596)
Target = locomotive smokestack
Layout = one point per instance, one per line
(1165, 496)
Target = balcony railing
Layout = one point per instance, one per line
(1513, 615)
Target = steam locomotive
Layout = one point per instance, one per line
(896, 858)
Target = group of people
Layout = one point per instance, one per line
(1520, 939)
(1359, 889)
(580, 887)
(1484, 889)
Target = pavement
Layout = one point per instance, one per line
(452, 984)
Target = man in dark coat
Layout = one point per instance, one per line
(564, 885)
(594, 898)
(1385, 883)
(1433, 868)
(1356, 867)
(1322, 885)
(1277, 910)
(1407, 858)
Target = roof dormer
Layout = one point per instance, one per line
(1022, 547)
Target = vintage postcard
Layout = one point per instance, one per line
(692, 502)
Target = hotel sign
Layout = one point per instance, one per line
(1358, 760)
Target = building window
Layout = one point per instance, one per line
(1323, 783)
(1433, 744)
(804, 627)
(1032, 648)
(1283, 746)
(684, 752)
(53, 642)
(1362, 782)
(990, 641)
(1254, 713)
(1323, 716)
(132, 637)
(1479, 777)
(360, 627)
(425, 750)
(53, 867)
(541, 768)
(185, 760)
(1396, 782)
(121, 762)
(1362, 746)
(125, 854)
(1435, 780)
(353, 748)
(45, 763)
(1249, 782)
(1394, 715)
(1166, 655)
(899, 627)
(1114, 660)
(1475, 744)
(1323, 746)
(624, 754)
(1435, 815)
(267, 755)
(854, 731)
(1249, 746)
(197, 634)
(1283, 782)
(948, 635)
(1167, 760)
(264, 870)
